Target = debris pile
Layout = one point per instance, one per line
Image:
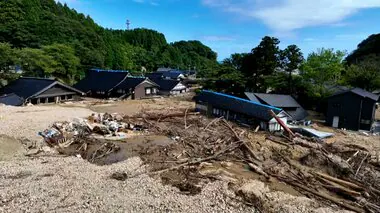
(80, 137)
(346, 175)
(343, 174)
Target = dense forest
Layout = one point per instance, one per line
(46, 38)
(49, 38)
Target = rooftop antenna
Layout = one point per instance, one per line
(128, 24)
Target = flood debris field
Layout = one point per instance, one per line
(177, 160)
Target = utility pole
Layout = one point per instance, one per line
(128, 24)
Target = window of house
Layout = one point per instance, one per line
(154, 90)
(148, 91)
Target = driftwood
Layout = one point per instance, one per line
(325, 196)
(251, 152)
(361, 163)
(198, 161)
(163, 117)
(340, 189)
(275, 140)
(258, 170)
(339, 181)
(307, 144)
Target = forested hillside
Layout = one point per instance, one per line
(34, 27)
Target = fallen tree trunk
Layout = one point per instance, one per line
(258, 170)
(339, 181)
(325, 196)
(307, 144)
(251, 152)
(162, 117)
(275, 140)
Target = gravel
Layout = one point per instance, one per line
(26, 122)
(73, 185)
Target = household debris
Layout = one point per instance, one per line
(342, 174)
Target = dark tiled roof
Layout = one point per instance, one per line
(27, 87)
(251, 97)
(277, 100)
(243, 106)
(365, 94)
(164, 69)
(154, 75)
(165, 84)
(298, 114)
(335, 89)
(281, 101)
(12, 100)
(172, 74)
(96, 80)
(131, 82)
(360, 92)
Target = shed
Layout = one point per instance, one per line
(239, 110)
(352, 109)
(41, 90)
(285, 102)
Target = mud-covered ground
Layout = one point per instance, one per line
(124, 182)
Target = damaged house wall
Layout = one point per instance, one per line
(239, 110)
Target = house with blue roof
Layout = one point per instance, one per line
(240, 110)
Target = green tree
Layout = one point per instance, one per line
(365, 74)
(66, 67)
(322, 68)
(291, 58)
(261, 62)
(7, 61)
(369, 46)
(35, 62)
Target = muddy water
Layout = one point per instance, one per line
(135, 146)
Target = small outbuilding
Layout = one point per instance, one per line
(285, 102)
(240, 110)
(353, 109)
(39, 90)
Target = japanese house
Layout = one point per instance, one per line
(136, 88)
(170, 87)
(39, 90)
(352, 109)
(239, 110)
(116, 83)
(167, 73)
(285, 102)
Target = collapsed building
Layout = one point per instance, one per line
(240, 110)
